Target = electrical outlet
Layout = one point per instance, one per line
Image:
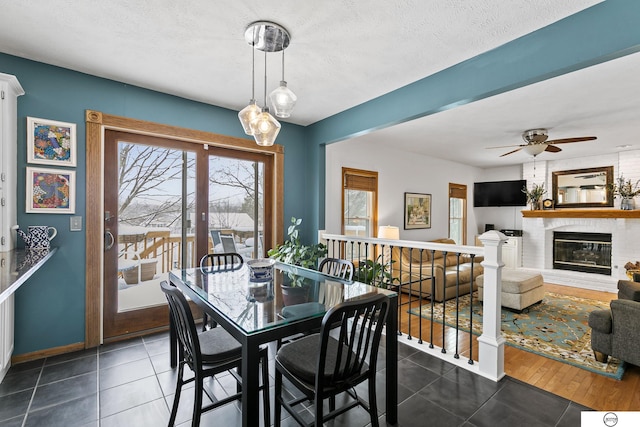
(75, 223)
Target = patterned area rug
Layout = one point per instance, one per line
(556, 328)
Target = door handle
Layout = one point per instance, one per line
(109, 240)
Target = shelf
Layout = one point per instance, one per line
(17, 266)
(582, 213)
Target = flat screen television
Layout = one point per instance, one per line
(499, 193)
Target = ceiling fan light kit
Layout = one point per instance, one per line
(535, 149)
(267, 36)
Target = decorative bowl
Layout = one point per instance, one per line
(261, 269)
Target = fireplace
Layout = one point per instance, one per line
(583, 252)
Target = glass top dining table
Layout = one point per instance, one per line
(252, 313)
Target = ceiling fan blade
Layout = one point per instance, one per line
(553, 149)
(566, 140)
(511, 152)
(506, 146)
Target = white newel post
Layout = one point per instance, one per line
(491, 342)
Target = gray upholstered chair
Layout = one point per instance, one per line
(614, 332)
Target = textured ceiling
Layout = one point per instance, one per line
(343, 53)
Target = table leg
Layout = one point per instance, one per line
(392, 361)
(250, 384)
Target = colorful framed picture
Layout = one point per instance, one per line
(50, 142)
(417, 211)
(50, 191)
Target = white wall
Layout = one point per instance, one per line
(508, 217)
(399, 172)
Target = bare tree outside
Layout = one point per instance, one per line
(232, 190)
(150, 185)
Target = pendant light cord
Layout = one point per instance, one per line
(282, 64)
(253, 66)
(265, 79)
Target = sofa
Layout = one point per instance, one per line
(413, 264)
(614, 332)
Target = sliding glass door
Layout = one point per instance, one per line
(236, 209)
(149, 213)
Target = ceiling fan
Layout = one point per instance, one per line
(537, 142)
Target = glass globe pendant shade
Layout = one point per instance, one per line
(247, 114)
(265, 128)
(283, 100)
(535, 149)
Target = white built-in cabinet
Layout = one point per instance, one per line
(10, 89)
(6, 335)
(512, 252)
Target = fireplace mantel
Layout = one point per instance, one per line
(582, 213)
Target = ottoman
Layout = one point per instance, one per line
(520, 289)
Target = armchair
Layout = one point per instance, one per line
(614, 331)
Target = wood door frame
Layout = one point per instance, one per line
(96, 123)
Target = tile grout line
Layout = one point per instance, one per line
(156, 373)
(33, 395)
(98, 385)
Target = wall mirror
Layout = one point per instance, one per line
(583, 188)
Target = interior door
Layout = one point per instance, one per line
(150, 226)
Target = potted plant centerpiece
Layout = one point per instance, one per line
(534, 196)
(627, 190)
(292, 251)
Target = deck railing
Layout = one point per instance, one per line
(417, 270)
(163, 246)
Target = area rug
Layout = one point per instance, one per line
(556, 328)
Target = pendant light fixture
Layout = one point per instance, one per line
(251, 111)
(282, 98)
(267, 37)
(264, 126)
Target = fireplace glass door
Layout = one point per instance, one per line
(583, 252)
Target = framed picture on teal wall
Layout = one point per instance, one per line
(50, 142)
(50, 190)
(417, 211)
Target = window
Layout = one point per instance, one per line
(458, 213)
(359, 202)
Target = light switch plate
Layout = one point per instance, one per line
(75, 223)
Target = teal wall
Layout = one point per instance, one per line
(50, 308)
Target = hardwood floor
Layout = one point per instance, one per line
(579, 385)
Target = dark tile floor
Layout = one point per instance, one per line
(130, 383)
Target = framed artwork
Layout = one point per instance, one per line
(50, 190)
(417, 211)
(50, 142)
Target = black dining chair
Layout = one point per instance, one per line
(333, 361)
(221, 262)
(211, 263)
(337, 267)
(207, 354)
